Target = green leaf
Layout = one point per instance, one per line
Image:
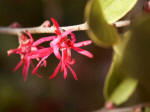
(119, 86)
(100, 31)
(115, 9)
(131, 65)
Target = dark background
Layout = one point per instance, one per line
(43, 95)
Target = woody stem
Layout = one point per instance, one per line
(41, 29)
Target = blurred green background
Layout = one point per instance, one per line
(43, 95)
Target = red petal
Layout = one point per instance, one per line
(43, 39)
(40, 53)
(84, 43)
(56, 71)
(73, 72)
(30, 36)
(69, 55)
(56, 52)
(63, 59)
(26, 69)
(83, 52)
(44, 63)
(64, 55)
(35, 69)
(73, 37)
(39, 75)
(71, 62)
(65, 72)
(55, 42)
(18, 65)
(12, 51)
(66, 33)
(58, 31)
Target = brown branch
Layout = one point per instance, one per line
(137, 108)
(40, 29)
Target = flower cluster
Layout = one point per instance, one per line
(60, 45)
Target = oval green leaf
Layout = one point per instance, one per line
(100, 31)
(119, 86)
(131, 65)
(115, 9)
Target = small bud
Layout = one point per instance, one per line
(146, 6)
(15, 25)
(46, 24)
(109, 105)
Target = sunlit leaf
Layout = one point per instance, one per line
(115, 9)
(100, 31)
(131, 65)
(119, 86)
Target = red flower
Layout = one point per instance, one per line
(64, 45)
(60, 45)
(25, 47)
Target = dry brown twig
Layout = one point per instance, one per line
(41, 29)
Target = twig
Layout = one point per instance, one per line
(122, 23)
(137, 108)
(40, 29)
